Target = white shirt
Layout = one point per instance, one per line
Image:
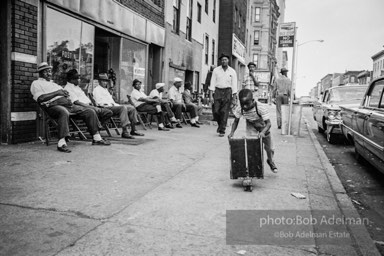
(155, 93)
(136, 95)
(224, 79)
(41, 86)
(175, 95)
(103, 97)
(77, 94)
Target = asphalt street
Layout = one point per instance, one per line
(363, 183)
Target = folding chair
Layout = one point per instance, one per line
(186, 117)
(112, 122)
(49, 120)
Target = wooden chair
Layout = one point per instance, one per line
(144, 118)
(186, 117)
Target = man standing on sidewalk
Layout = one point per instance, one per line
(223, 90)
(281, 93)
(250, 80)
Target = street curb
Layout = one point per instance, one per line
(359, 234)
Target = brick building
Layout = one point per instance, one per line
(126, 37)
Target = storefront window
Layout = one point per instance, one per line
(133, 66)
(70, 45)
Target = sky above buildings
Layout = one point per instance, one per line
(352, 30)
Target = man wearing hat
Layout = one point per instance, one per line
(157, 93)
(55, 101)
(126, 113)
(177, 102)
(223, 90)
(78, 96)
(250, 80)
(144, 103)
(281, 93)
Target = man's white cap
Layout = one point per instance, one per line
(177, 79)
(159, 85)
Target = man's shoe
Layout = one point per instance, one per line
(169, 126)
(136, 133)
(64, 149)
(278, 127)
(179, 125)
(195, 125)
(101, 142)
(272, 166)
(163, 129)
(221, 134)
(174, 121)
(126, 135)
(200, 123)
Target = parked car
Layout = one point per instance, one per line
(326, 112)
(306, 101)
(364, 125)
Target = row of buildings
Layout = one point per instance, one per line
(150, 40)
(351, 77)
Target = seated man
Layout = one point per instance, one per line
(165, 104)
(54, 100)
(78, 97)
(143, 103)
(126, 113)
(178, 104)
(188, 100)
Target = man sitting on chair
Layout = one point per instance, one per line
(157, 93)
(126, 113)
(143, 103)
(54, 100)
(78, 96)
(188, 100)
(178, 105)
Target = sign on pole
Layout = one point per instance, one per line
(287, 34)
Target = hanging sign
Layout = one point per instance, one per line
(287, 34)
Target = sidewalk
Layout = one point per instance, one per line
(166, 194)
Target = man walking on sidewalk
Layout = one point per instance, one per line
(281, 93)
(223, 90)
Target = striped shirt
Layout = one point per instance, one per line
(251, 115)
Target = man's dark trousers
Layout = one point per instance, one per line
(221, 106)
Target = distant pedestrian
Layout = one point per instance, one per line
(208, 79)
(223, 90)
(281, 93)
(258, 122)
(251, 80)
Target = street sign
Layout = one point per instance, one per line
(287, 35)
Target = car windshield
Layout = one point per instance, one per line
(347, 94)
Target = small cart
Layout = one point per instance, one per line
(247, 161)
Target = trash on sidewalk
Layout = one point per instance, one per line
(356, 202)
(242, 252)
(298, 195)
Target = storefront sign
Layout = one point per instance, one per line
(139, 72)
(263, 76)
(287, 34)
(238, 49)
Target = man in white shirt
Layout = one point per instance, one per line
(54, 100)
(143, 103)
(157, 93)
(223, 89)
(178, 105)
(126, 113)
(78, 96)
